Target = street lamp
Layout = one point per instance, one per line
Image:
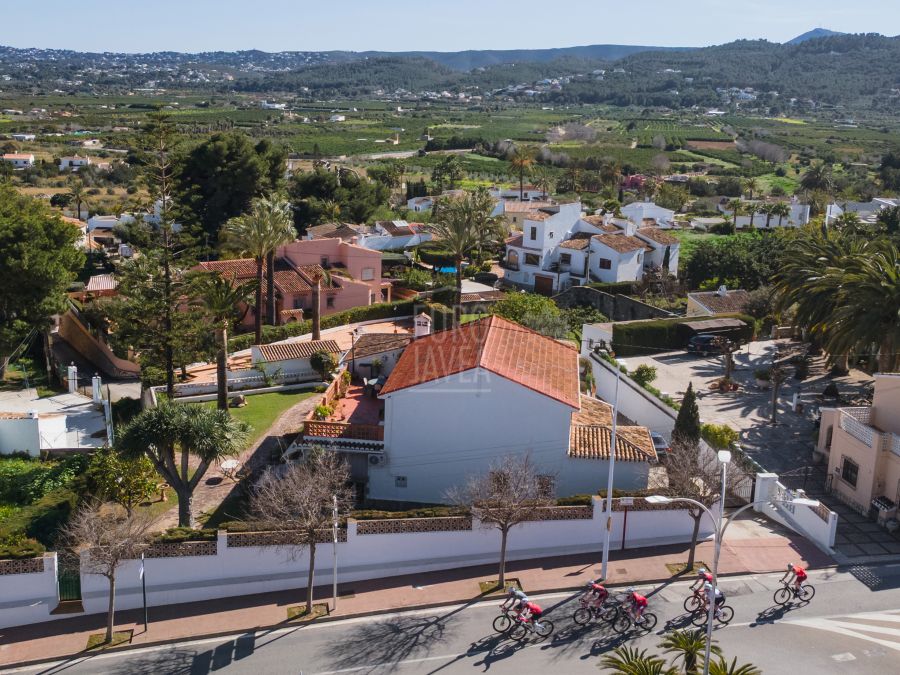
(721, 524)
(612, 465)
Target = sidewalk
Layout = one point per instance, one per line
(749, 548)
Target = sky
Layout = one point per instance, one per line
(405, 25)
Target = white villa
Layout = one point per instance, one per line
(559, 248)
(19, 160)
(798, 216)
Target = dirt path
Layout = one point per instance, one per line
(214, 489)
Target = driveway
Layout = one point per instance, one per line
(783, 448)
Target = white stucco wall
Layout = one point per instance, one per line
(388, 361)
(29, 598)
(20, 434)
(236, 571)
(624, 266)
(440, 432)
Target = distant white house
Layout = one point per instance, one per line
(865, 211)
(73, 163)
(798, 216)
(648, 214)
(266, 105)
(528, 193)
(19, 160)
(420, 204)
(337, 118)
(91, 143)
(290, 358)
(559, 248)
(23, 137)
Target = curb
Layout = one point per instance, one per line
(331, 619)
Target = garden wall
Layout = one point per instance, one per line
(616, 307)
(28, 590)
(242, 563)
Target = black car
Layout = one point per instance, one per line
(706, 343)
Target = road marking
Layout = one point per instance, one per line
(850, 626)
(846, 656)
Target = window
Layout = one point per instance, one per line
(532, 259)
(828, 436)
(850, 471)
(323, 261)
(368, 273)
(514, 219)
(605, 264)
(400, 481)
(533, 234)
(565, 258)
(545, 485)
(329, 302)
(298, 303)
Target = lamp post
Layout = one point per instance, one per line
(721, 524)
(611, 472)
(334, 542)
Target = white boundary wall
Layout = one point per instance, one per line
(29, 598)
(237, 571)
(803, 519)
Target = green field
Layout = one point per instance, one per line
(262, 410)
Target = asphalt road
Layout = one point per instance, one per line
(852, 625)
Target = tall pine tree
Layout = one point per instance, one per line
(687, 424)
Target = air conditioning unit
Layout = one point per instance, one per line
(377, 460)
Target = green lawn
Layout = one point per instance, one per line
(14, 378)
(262, 410)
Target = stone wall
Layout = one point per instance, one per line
(181, 549)
(616, 307)
(245, 539)
(414, 525)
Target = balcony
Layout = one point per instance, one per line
(315, 429)
(857, 423)
(353, 425)
(507, 265)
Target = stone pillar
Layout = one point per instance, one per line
(765, 488)
(95, 389)
(72, 375)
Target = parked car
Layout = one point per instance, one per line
(706, 344)
(661, 445)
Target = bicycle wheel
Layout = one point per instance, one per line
(518, 632)
(648, 623)
(609, 613)
(545, 628)
(726, 614)
(806, 593)
(692, 603)
(582, 616)
(700, 618)
(622, 623)
(783, 596)
(502, 623)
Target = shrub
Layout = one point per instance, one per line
(644, 374)
(647, 337)
(24, 480)
(176, 535)
(763, 374)
(18, 547)
(323, 412)
(415, 278)
(720, 436)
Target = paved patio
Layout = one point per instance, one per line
(358, 406)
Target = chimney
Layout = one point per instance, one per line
(422, 325)
(722, 292)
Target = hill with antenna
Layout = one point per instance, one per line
(813, 34)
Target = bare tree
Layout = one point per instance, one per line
(694, 473)
(107, 537)
(298, 501)
(510, 493)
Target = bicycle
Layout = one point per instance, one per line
(504, 621)
(787, 592)
(724, 615)
(542, 628)
(624, 621)
(590, 610)
(694, 601)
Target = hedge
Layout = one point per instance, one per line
(19, 548)
(176, 535)
(646, 337)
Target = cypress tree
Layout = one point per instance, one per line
(687, 424)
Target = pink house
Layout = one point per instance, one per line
(353, 280)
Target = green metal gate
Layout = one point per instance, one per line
(68, 578)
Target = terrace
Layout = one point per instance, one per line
(355, 425)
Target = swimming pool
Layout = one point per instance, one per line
(446, 270)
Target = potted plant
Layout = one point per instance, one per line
(763, 377)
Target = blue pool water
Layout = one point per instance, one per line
(447, 270)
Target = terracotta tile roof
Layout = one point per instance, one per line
(287, 279)
(309, 271)
(622, 243)
(284, 351)
(291, 313)
(516, 240)
(13, 416)
(523, 207)
(242, 268)
(498, 346)
(74, 221)
(731, 302)
(17, 155)
(578, 241)
(537, 215)
(657, 235)
(395, 230)
(593, 411)
(633, 444)
(481, 297)
(600, 224)
(378, 343)
(101, 282)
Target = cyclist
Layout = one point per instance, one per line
(595, 595)
(638, 603)
(531, 612)
(719, 595)
(703, 577)
(798, 574)
(515, 600)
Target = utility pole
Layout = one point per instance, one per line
(334, 541)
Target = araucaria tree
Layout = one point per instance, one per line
(510, 493)
(298, 501)
(171, 433)
(106, 538)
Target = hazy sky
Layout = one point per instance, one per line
(400, 25)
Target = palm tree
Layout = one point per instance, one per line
(522, 161)
(257, 234)
(78, 194)
(572, 180)
(171, 432)
(768, 210)
(848, 223)
(457, 225)
(689, 647)
(751, 185)
(781, 210)
(223, 299)
(543, 180)
(817, 177)
(610, 172)
(331, 210)
(722, 667)
(630, 661)
(490, 231)
(281, 232)
(737, 208)
(317, 275)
